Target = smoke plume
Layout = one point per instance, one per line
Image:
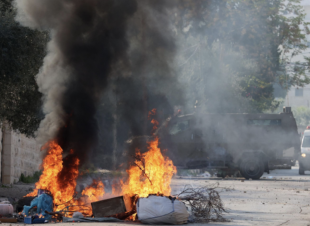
(92, 44)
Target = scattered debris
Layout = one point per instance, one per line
(91, 219)
(204, 202)
(109, 207)
(161, 210)
(25, 201)
(6, 208)
(77, 215)
(8, 220)
(38, 206)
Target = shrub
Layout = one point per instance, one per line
(31, 179)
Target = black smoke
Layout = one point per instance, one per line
(127, 44)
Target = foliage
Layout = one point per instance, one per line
(21, 55)
(31, 179)
(302, 116)
(255, 42)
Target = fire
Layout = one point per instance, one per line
(150, 173)
(60, 180)
(94, 191)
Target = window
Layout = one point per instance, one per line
(264, 122)
(178, 127)
(299, 92)
(306, 142)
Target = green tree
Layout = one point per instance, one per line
(263, 35)
(302, 116)
(21, 55)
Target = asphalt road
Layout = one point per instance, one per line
(279, 198)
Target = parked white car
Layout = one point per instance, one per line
(304, 158)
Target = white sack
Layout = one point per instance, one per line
(161, 210)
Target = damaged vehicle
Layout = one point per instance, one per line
(247, 143)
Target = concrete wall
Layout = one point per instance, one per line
(19, 155)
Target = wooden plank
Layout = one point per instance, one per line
(108, 207)
(128, 202)
(8, 220)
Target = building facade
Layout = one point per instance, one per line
(18, 154)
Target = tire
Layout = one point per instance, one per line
(220, 175)
(301, 169)
(25, 201)
(252, 167)
(293, 163)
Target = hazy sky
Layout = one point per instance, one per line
(305, 2)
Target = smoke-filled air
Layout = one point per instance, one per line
(130, 100)
(93, 44)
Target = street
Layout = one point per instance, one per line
(278, 198)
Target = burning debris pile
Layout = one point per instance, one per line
(150, 174)
(63, 190)
(134, 199)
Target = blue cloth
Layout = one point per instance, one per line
(43, 203)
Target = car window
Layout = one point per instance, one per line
(306, 142)
(178, 127)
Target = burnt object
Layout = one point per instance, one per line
(123, 216)
(25, 201)
(8, 220)
(56, 215)
(109, 207)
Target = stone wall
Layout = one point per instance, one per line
(20, 154)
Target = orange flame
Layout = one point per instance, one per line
(60, 181)
(94, 191)
(151, 173)
(152, 113)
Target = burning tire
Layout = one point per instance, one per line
(252, 167)
(25, 201)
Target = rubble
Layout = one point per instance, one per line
(205, 203)
(39, 206)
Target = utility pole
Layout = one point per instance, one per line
(144, 82)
